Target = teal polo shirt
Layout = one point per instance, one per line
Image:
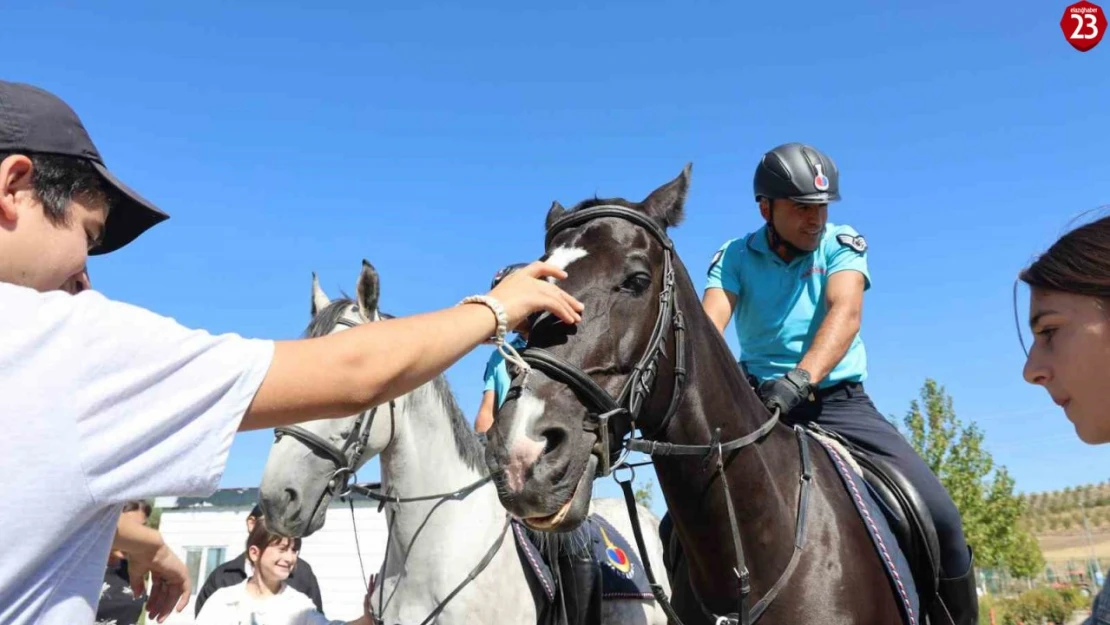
(780, 305)
(497, 373)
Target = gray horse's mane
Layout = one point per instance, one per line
(466, 441)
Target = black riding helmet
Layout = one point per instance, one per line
(798, 172)
(505, 271)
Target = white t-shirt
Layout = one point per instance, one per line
(102, 402)
(233, 605)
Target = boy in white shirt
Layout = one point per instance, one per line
(102, 402)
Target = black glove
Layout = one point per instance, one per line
(786, 393)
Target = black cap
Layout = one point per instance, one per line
(798, 172)
(33, 120)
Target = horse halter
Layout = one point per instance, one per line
(346, 457)
(601, 406)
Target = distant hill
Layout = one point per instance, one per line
(1061, 511)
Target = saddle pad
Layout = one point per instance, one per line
(535, 560)
(894, 561)
(622, 571)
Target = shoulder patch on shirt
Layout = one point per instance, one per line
(716, 259)
(857, 243)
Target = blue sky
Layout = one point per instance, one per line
(431, 138)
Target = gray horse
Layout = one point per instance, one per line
(426, 448)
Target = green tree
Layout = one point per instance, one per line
(1026, 559)
(643, 494)
(983, 493)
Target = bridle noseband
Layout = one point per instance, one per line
(601, 406)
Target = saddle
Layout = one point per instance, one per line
(905, 512)
(578, 572)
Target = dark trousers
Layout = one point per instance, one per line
(847, 410)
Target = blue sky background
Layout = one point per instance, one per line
(430, 138)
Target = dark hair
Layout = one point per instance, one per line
(1079, 263)
(261, 536)
(138, 504)
(58, 179)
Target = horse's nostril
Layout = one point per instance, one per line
(291, 495)
(552, 438)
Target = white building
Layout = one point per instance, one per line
(206, 532)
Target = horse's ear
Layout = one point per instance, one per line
(554, 213)
(368, 291)
(668, 201)
(320, 300)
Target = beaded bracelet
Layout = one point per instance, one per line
(498, 338)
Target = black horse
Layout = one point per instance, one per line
(767, 528)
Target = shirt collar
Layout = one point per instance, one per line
(757, 241)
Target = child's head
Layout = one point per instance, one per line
(272, 555)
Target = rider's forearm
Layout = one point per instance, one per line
(347, 372)
(484, 419)
(834, 337)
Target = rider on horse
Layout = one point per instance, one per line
(795, 289)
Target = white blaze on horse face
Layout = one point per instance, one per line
(563, 256)
(523, 450)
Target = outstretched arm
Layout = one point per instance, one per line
(344, 373)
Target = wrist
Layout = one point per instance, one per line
(500, 318)
(801, 378)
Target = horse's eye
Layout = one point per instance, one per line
(637, 283)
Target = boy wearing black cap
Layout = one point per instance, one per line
(104, 402)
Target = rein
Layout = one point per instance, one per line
(372, 491)
(601, 409)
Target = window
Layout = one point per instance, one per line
(215, 559)
(211, 557)
(192, 562)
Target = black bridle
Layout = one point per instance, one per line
(346, 457)
(602, 408)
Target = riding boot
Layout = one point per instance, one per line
(957, 602)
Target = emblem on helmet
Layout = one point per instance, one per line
(821, 181)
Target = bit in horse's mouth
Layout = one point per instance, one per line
(553, 521)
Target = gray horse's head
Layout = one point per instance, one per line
(301, 477)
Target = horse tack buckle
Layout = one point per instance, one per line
(601, 446)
